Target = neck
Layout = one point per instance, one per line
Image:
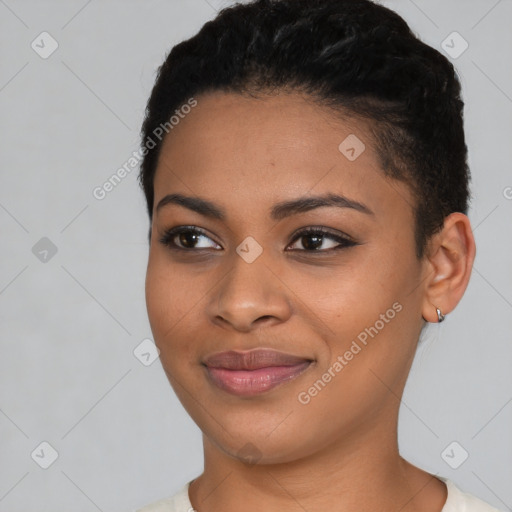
(361, 471)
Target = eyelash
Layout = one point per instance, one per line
(344, 241)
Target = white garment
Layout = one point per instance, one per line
(456, 501)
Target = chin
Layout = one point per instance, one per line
(252, 448)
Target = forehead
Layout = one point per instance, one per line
(282, 126)
(244, 151)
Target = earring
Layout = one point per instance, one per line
(440, 316)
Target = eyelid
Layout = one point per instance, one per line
(335, 233)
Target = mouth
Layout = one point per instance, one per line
(254, 372)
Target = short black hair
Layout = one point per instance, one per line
(356, 56)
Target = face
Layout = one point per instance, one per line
(300, 247)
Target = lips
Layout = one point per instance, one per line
(254, 372)
(252, 360)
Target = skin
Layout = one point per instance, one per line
(339, 451)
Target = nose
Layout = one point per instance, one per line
(250, 295)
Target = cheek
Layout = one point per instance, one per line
(174, 301)
(158, 300)
(165, 301)
(350, 294)
(366, 301)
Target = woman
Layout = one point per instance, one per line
(306, 177)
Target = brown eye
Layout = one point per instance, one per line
(313, 238)
(185, 238)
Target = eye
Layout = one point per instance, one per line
(187, 237)
(315, 237)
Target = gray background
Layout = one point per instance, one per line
(69, 325)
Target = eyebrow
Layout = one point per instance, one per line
(278, 212)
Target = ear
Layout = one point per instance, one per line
(450, 261)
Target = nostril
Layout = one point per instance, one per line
(264, 319)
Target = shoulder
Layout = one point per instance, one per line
(179, 502)
(460, 501)
(456, 501)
